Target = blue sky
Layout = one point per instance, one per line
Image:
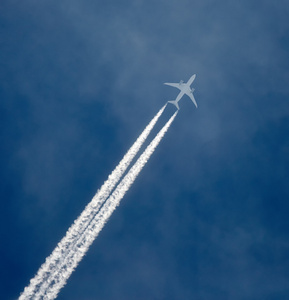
(208, 216)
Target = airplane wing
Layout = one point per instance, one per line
(176, 85)
(190, 94)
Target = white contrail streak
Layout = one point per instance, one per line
(39, 282)
(95, 226)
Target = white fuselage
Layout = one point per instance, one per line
(185, 89)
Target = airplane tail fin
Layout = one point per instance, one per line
(174, 102)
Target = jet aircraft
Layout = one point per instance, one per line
(184, 89)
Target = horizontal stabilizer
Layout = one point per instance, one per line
(174, 102)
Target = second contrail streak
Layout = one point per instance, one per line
(96, 225)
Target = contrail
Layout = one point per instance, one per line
(80, 224)
(96, 225)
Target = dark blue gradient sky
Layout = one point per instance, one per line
(208, 216)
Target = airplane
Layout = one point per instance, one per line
(184, 89)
